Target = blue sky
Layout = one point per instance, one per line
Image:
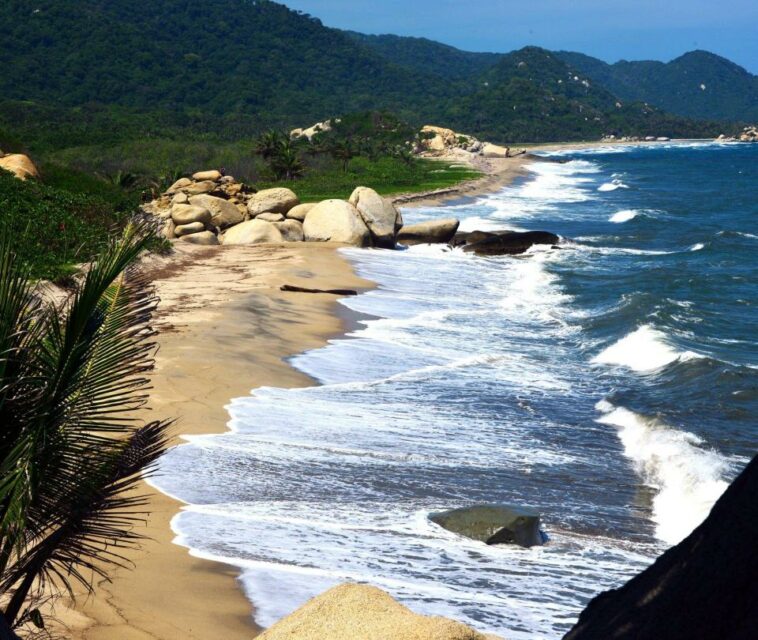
(608, 29)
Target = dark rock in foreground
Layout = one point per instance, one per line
(704, 588)
(493, 524)
(503, 243)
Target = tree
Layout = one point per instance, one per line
(344, 151)
(286, 164)
(71, 448)
(269, 144)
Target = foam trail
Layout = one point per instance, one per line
(688, 478)
(645, 349)
(697, 247)
(623, 216)
(612, 186)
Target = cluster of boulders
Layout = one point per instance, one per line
(210, 208)
(748, 134)
(19, 165)
(309, 132)
(440, 141)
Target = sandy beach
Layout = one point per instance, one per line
(225, 328)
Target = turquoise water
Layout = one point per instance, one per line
(611, 385)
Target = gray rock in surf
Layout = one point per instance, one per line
(494, 524)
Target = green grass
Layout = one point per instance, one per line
(387, 176)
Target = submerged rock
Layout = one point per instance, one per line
(704, 588)
(494, 524)
(430, 232)
(362, 612)
(507, 243)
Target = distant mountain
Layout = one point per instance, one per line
(698, 84)
(95, 71)
(428, 56)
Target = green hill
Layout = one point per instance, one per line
(698, 84)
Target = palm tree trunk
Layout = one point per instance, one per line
(18, 599)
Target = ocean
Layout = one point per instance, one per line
(610, 384)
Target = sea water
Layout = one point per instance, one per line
(610, 384)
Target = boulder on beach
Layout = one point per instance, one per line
(363, 612)
(380, 215)
(291, 230)
(493, 524)
(253, 232)
(300, 211)
(180, 184)
(205, 238)
(223, 213)
(186, 213)
(270, 217)
(212, 175)
(197, 188)
(19, 165)
(490, 150)
(187, 229)
(429, 232)
(279, 200)
(508, 243)
(336, 221)
(705, 587)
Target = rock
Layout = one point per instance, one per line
(429, 232)
(444, 140)
(663, 139)
(168, 230)
(180, 198)
(300, 211)
(277, 200)
(704, 588)
(223, 213)
(187, 229)
(336, 221)
(311, 131)
(494, 524)
(226, 180)
(181, 183)
(291, 230)
(20, 166)
(253, 232)
(199, 187)
(183, 214)
(363, 612)
(494, 151)
(212, 175)
(270, 217)
(379, 214)
(510, 242)
(207, 238)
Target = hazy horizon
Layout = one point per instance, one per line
(640, 30)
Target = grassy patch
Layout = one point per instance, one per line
(388, 176)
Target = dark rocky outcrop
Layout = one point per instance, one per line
(704, 588)
(493, 524)
(503, 243)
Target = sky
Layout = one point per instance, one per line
(608, 29)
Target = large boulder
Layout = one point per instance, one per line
(429, 232)
(253, 232)
(380, 215)
(277, 200)
(494, 151)
(223, 213)
(494, 524)
(336, 221)
(291, 230)
(270, 217)
(704, 588)
(196, 188)
(508, 243)
(186, 213)
(300, 211)
(212, 175)
(187, 229)
(363, 612)
(180, 184)
(20, 166)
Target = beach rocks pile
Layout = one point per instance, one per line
(749, 134)
(363, 612)
(440, 139)
(309, 132)
(19, 165)
(210, 208)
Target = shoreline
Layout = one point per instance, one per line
(212, 301)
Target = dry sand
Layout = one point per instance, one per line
(225, 329)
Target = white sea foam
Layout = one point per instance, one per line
(624, 216)
(687, 477)
(697, 247)
(645, 349)
(612, 186)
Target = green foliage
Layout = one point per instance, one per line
(52, 227)
(71, 450)
(387, 175)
